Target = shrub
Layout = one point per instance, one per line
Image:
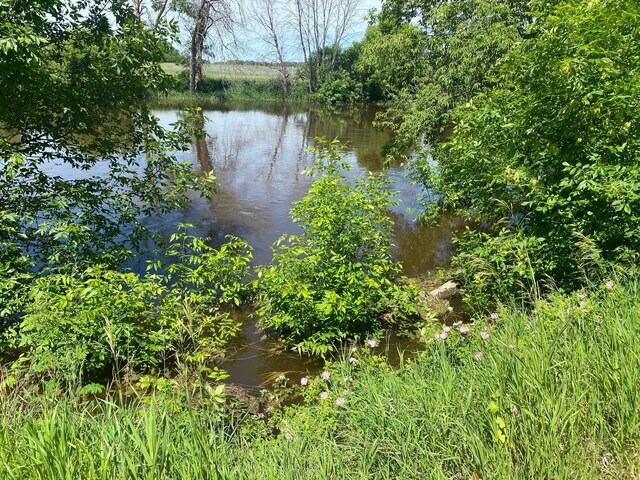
(494, 266)
(552, 152)
(83, 324)
(335, 280)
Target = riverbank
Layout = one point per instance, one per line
(549, 394)
(228, 82)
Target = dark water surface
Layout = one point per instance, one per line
(257, 152)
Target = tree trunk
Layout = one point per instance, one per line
(137, 9)
(303, 44)
(197, 45)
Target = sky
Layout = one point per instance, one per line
(252, 48)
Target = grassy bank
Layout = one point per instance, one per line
(230, 71)
(550, 394)
(232, 82)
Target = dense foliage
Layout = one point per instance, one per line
(335, 281)
(82, 164)
(552, 153)
(105, 321)
(550, 395)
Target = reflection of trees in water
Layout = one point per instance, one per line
(422, 249)
(277, 150)
(352, 125)
(227, 150)
(203, 155)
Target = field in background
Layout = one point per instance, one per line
(231, 71)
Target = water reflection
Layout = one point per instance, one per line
(258, 155)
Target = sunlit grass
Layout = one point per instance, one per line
(556, 394)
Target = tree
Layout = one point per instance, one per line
(550, 157)
(322, 26)
(155, 10)
(203, 18)
(273, 26)
(82, 160)
(433, 55)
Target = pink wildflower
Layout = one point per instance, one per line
(345, 392)
(372, 343)
(353, 360)
(609, 284)
(340, 401)
(464, 329)
(326, 375)
(484, 335)
(494, 316)
(478, 356)
(458, 323)
(447, 329)
(304, 381)
(324, 395)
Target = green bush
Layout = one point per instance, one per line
(84, 324)
(553, 152)
(336, 280)
(338, 87)
(498, 266)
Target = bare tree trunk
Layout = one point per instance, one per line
(305, 57)
(274, 29)
(198, 37)
(156, 11)
(138, 8)
(160, 13)
(202, 18)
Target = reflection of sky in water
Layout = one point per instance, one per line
(258, 156)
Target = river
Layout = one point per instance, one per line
(258, 154)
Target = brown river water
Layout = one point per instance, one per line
(257, 153)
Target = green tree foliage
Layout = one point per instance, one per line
(346, 82)
(71, 74)
(430, 56)
(394, 59)
(553, 152)
(335, 281)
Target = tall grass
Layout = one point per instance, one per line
(563, 403)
